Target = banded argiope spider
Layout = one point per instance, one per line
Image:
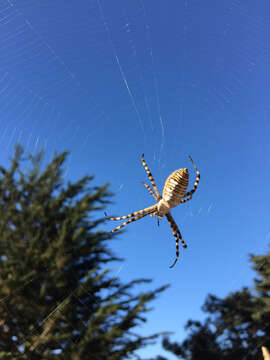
(174, 193)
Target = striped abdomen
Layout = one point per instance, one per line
(175, 187)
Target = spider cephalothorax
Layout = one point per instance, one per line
(174, 193)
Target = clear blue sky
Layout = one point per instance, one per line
(110, 80)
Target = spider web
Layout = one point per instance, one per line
(60, 65)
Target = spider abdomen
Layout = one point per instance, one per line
(175, 187)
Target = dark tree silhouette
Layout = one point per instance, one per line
(236, 327)
(58, 300)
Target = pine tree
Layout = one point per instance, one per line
(236, 327)
(261, 264)
(58, 300)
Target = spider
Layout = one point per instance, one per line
(174, 193)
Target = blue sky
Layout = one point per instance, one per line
(110, 80)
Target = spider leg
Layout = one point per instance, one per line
(191, 192)
(150, 176)
(146, 211)
(185, 200)
(150, 190)
(153, 214)
(177, 235)
(135, 218)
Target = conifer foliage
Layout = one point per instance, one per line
(236, 326)
(57, 300)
